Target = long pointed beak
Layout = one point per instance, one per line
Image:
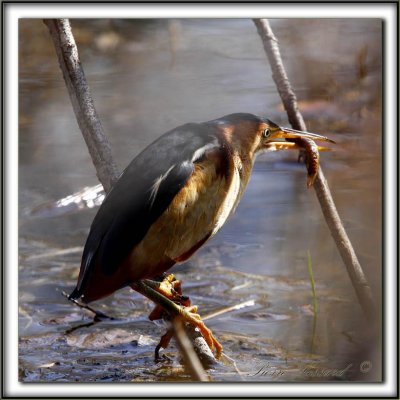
(289, 133)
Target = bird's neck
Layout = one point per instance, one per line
(240, 155)
(240, 142)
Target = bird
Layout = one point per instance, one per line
(170, 200)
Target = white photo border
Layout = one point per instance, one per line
(388, 11)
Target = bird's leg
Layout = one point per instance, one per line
(163, 344)
(171, 288)
(187, 313)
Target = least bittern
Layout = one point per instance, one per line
(170, 200)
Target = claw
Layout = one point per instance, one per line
(177, 286)
(163, 344)
(171, 288)
(195, 319)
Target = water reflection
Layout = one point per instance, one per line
(146, 78)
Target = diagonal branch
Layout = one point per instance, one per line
(346, 250)
(82, 102)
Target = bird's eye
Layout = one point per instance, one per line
(266, 132)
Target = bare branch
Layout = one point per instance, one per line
(324, 195)
(279, 75)
(191, 360)
(82, 102)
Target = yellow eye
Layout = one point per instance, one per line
(266, 132)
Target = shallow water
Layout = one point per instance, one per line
(147, 77)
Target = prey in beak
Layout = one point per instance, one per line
(281, 138)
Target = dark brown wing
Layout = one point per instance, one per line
(139, 197)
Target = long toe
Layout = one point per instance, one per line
(189, 315)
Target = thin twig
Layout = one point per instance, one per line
(315, 302)
(98, 315)
(191, 360)
(56, 253)
(248, 303)
(328, 207)
(311, 275)
(90, 125)
(200, 345)
(233, 362)
(82, 102)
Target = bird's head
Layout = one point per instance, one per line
(275, 137)
(249, 134)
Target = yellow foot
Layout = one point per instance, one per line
(189, 314)
(170, 288)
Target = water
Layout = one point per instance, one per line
(147, 77)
